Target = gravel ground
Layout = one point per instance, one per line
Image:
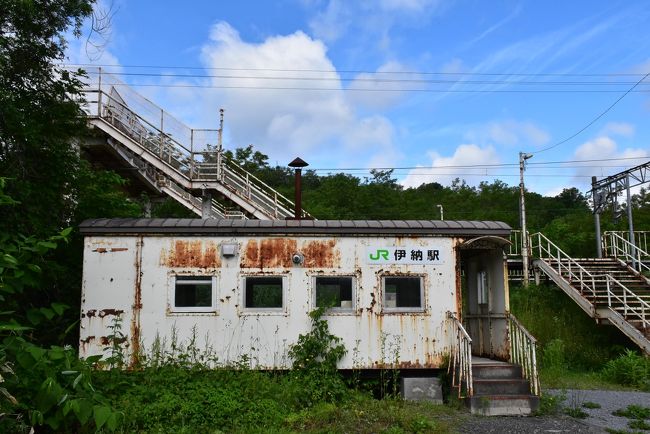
(518, 425)
(598, 420)
(609, 400)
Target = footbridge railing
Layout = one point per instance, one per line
(523, 352)
(460, 365)
(188, 154)
(619, 247)
(641, 238)
(561, 262)
(633, 306)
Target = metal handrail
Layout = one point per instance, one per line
(641, 238)
(617, 246)
(184, 161)
(546, 249)
(460, 364)
(523, 352)
(515, 243)
(642, 313)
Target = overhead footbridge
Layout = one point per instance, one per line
(161, 155)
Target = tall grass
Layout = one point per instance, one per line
(569, 341)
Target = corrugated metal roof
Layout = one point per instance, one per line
(342, 227)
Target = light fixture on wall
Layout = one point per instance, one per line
(228, 250)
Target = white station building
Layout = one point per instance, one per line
(246, 287)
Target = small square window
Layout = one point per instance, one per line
(403, 293)
(194, 293)
(335, 292)
(263, 293)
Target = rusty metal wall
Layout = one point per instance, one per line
(133, 277)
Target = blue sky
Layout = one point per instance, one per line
(418, 85)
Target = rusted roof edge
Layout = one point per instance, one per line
(341, 227)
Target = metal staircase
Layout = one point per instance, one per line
(611, 290)
(494, 387)
(185, 164)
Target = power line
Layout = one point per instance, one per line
(483, 166)
(375, 80)
(356, 71)
(596, 118)
(353, 89)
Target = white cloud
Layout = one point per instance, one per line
(331, 23)
(440, 172)
(454, 66)
(618, 128)
(371, 21)
(408, 5)
(388, 76)
(515, 12)
(554, 191)
(606, 149)
(279, 121)
(509, 133)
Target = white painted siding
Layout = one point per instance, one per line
(371, 336)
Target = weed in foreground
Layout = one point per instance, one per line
(634, 412)
(590, 404)
(639, 424)
(576, 412)
(550, 404)
(574, 409)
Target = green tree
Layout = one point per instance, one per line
(40, 125)
(39, 113)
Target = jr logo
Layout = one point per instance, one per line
(380, 254)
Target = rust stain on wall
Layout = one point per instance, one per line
(87, 340)
(195, 254)
(137, 306)
(108, 312)
(321, 254)
(269, 253)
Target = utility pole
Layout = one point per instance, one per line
(522, 214)
(442, 216)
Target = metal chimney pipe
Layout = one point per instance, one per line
(298, 164)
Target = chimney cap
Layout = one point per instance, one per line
(298, 162)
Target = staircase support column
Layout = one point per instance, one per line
(206, 205)
(631, 223)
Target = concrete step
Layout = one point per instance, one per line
(501, 371)
(485, 387)
(503, 405)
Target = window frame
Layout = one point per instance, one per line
(335, 309)
(269, 310)
(420, 309)
(194, 309)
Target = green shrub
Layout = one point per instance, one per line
(554, 356)
(550, 403)
(315, 357)
(629, 369)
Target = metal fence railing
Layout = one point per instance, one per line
(641, 238)
(523, 352)
(460, 365)
(617, 246)
(563, 263)
(633, 306)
